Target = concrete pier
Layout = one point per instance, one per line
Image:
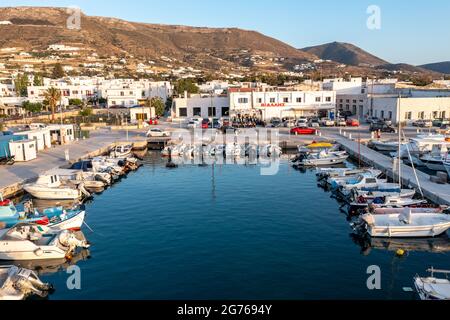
(438, 193)
(12, 178)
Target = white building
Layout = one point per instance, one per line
(68, 92)
(256, 102)
(141, 114)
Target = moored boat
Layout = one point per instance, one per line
(50, 187)
(19, 283)
(433, 288)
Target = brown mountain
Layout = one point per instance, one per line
(442, 67)
(344, 53)
(38, 27)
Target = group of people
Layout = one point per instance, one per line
(247, 121)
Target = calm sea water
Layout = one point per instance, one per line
(226, 232)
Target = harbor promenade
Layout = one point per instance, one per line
(438, 193)
(12, 177)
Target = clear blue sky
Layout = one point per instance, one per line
(412, 31)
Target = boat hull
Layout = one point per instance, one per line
(53, 193)
(408, 231)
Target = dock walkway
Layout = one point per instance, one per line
(13, 177)
(438, 193)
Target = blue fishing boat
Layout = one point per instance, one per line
(56, 218)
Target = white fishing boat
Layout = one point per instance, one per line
(413, 210)
(364, 181)
(89, 179)
(50, 187)
(405, 225)
(35, 242)
(435, 162)
(433, 288)
(370, 195)
(383, 202)
(19, 283)
(336, 182)
(447, 166)
(386, 146)
(423, 144)
(323, 158)
(122, 151)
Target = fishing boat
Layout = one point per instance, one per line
(322, 158)
(100, 175)
(404, 225)
(336, 182)
(386, 146)
(435, 162)
(383, 202)
(50, 187)
(447, 166)
(76, 177)
(122, 151)
(317, 147)
(27, 241)
(56, 218)
(19, 283)
(325, 173)
(433, 288)
(423, 144)
(440, 209)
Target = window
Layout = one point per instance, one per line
(422, 115)
(182, 112)
(341, 106)
(390, 115)
(347, 107)
(435, 114)
(286, 100)
(243, 100)
(371, 180)
(354, 101)
(348, 101)
(272, 100)
(408, 115)
(259, 100)
(225, 111)
(211, 112)
(197, 112)
(122, 93)
(318, 99)
(113, 102)
(328, 99)
(299, 100)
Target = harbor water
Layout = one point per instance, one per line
(228, 232)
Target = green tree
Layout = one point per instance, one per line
(52, 97)
(38, 80)
(86, 113)
(21, 83)
(32, 107)
(422, 81)
(75, 102)
(58, 71)
(183, 85)
(156, 103)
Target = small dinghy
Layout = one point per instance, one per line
(386, 146)
(27, 241)
(121, 151)
(336, 182)
(19, 283)
(432, 288)
(323, 158)
(404, 225)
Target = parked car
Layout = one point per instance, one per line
(341, 122)
(155, 132)
(383, 127)
(423, 123)
(303, 131)
(314, 122)
(327, 122)
(302, 123)
(371, 120)
(275, 122)
(352, 122)
(216, 123)
(440, 122)
(205, 124)
(289, 123)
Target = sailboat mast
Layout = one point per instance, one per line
(399, 141)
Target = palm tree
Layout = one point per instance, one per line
(52, 96)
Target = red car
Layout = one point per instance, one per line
(352, 123)
(298, 131)
(205, 124)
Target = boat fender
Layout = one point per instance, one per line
(400, 253)
(38, 252)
